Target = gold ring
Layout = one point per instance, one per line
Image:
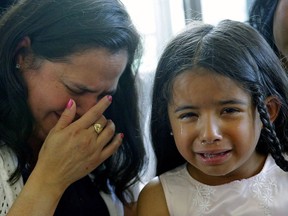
(98, 128)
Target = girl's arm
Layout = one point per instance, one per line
(152, 200)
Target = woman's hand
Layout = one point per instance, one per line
(73, 149)
(70, 151)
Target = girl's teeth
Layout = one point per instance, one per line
(208, 155)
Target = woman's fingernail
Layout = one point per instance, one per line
(69, 104)
(122, 135)
(109, 97)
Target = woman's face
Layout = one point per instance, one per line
(280, 27)
(215, 126)
(85, 77)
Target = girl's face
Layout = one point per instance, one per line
(215, 126)
(86, 78)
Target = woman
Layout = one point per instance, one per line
(66, 69)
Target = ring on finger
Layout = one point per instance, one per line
(98, 128)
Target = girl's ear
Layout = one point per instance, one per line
(273, 106)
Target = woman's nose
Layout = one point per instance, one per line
(210, 131)
(84, 103)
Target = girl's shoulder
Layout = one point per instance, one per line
(152, 199)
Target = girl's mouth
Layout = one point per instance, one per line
(213, 155)
(214, 158)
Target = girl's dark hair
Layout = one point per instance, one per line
(232, 49)
(261, 16)
(59, 29)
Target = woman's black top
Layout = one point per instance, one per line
(82, 198)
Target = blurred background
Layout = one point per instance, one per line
(159, 20)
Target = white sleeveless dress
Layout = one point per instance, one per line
(264, 194)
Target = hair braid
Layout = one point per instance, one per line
(269, 137)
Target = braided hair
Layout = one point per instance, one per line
(273, 144)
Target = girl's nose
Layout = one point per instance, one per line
(210, 131)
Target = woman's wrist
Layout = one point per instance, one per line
(38, 197)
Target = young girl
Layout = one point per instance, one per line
(219, 124)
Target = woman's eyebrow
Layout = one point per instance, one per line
(90, 90)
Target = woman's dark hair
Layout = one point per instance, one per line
(234, 50)
(261, 15)
(5, 4)
(58, 29)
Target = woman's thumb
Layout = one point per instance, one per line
(67, 116)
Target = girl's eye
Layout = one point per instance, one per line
(230, 110)
(189, 115)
